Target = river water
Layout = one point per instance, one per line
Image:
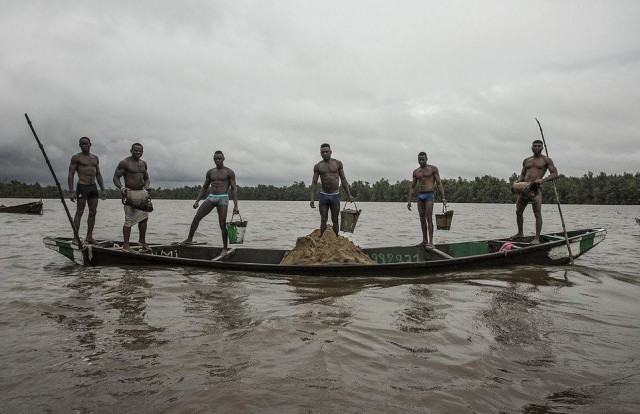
(146, 340)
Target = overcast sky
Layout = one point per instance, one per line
(268, 81)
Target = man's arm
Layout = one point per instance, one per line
(99, 179)
(314, 184)
(121, 169)
(203, 190)
(147, 179)
(436, 176)
(344, 182)
(414, 182)
(73, 166)
(234, 190)
(523, 172)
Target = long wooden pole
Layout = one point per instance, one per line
(555, 190)
(76, 236)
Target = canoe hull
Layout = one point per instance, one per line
(27, 208)
(396, 261)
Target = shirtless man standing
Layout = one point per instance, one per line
(87, 166)
(533, 170)
(331, 174)
(219, 179)
(425, 178)
(136, 179)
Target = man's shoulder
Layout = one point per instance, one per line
(124, 161)
(91, 156)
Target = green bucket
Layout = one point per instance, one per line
(236, 230)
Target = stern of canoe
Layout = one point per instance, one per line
(65, 248)
(580, 242)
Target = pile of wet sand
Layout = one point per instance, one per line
(328, 248)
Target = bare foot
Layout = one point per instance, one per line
(127, 249)
(422, 244)
(145, 246)
(90, 240)
(429, 246)
(224, 252)
(186, 242)
(535, 241)
(516, 236)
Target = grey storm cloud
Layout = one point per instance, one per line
(268, 82)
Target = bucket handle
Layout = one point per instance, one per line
(233, 214)
(444, 208)
(347, 202)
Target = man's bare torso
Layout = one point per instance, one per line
(86, 168)
(329, 172)
(134, 174)
(425, 178)
(220, 180)
(535, 167)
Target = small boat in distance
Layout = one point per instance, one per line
(34, 207)
(396, 261)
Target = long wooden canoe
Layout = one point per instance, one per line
(399, 261)
(27, 208)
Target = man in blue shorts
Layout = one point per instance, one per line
(331, 174)
(425, 178)
(87, 166)
(220, 179)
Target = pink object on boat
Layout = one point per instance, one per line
(506, 247)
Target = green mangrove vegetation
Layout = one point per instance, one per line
(606, 189)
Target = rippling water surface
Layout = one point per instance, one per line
(513, 340)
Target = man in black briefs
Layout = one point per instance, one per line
(87, 166)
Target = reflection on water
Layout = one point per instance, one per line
(129, 297)
(420, 314)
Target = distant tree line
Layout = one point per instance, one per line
(588, 189)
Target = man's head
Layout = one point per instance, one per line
(218, 158)
(85, 144)
(137, 150)
(422, 158)
(537, 146)
(325, 152)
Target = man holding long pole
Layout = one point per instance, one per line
(533, 170)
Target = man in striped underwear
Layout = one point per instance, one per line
(220, 179)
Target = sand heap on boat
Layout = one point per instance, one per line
(328, 248)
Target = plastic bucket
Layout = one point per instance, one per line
(236, 230)
(349, 218)
(443, 221)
